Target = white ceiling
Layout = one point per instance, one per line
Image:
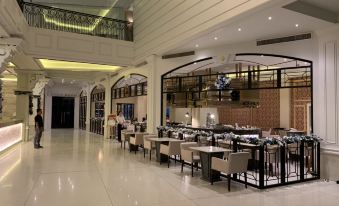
(256, 27)
(265, 62)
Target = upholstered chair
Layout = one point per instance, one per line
(187, 155)
(173, 148)
(148, 145)
(125, 135)
(135, 141)
(236, 163)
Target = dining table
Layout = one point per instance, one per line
(158, 141)
(206, 154)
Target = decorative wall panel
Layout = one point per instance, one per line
(266, 116)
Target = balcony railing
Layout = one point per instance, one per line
(70, 21)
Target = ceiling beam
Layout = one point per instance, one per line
(314, 11)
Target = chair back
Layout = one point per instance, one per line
(139, 138)
(187, 145)
(186, 152)
(174, 147)
(148, 144)
(238, 162)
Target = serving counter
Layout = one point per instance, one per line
(10, 133)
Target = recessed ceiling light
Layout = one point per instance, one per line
(296, 25)
(270, 18)
(195, 63)
(215, 38)
(197, 45)
(285, 59)
(239, 29)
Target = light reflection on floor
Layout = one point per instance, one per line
(80, 168)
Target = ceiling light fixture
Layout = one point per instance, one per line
(197, 45)
(215, 38)
(296, 25)
(8, 79)
(239, 29)
(270, 18)
(48, 64)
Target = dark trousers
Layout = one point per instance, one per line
(37, 137)
(119, 132)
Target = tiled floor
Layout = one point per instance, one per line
(79, 168)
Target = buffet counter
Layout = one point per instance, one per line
(10, 133)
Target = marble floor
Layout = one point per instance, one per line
(80, 168)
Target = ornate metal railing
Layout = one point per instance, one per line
(70, 21)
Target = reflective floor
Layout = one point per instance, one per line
(79, 168)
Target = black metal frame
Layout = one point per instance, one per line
(102, 26)
(272, 165)
(249, 85)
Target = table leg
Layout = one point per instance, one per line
(206, 162)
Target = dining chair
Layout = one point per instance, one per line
(148, 145)
(173, 148)
(236, 163)
(125, 135)
(187, 155)
(135, 141)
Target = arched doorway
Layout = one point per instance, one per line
(97, 109)
(264, 91)
(82, 110)
(129, 95)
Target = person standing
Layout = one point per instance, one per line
(121, 121)
(39, 128)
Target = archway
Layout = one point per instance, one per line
(97, 112)
(241, 91)
(129, 96)
(82, 110)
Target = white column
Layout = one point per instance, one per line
(88, 108)
(153, 100)
(107, 104)
(22, 101)
(76, 111)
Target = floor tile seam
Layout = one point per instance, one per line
(32, 188)
(72, 171)
(103, 183)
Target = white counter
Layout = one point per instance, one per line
(10, 133)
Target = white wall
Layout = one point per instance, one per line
(197, 115)
(140, 105)
(51, 44)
